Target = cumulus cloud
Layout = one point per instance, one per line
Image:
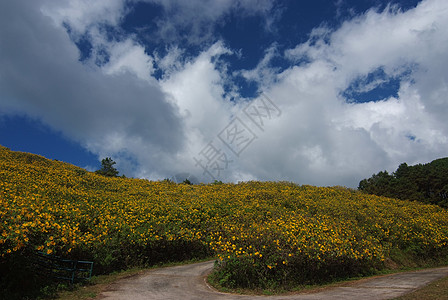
(352, 140)
(107, 112)
(113, 104)
(194, 21)
(81, 15)
(198, 91)
(264, 73)
(127, 56)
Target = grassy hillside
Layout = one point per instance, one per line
(265, 234)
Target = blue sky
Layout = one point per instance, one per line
(316, 92)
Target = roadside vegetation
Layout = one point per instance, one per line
(266, 235)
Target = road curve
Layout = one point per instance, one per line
(187, 282)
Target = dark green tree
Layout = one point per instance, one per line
(379, 184)
(427, 183)
(186, 181)
(107, 168)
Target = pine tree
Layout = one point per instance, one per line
(107, 168)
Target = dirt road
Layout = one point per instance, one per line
(187, 282)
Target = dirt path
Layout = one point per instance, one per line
(187, 282)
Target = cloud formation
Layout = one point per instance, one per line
(108, 110)
(114, 104)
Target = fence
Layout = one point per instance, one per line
(63, 269)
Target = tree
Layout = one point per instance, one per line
(427, 183)
(107, 168)
(186, 181)
(378, 184)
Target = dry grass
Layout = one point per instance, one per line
(436, 290)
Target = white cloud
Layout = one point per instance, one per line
(198, 91)
(127, 56)
(390, 39)
(80, 15)
(194, 21)
(263, 73)
(109, 114)
(156, 126)
(171, 62)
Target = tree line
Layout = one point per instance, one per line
(427, 183)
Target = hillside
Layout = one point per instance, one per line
(265, 234)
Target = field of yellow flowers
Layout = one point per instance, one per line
(264, 234)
